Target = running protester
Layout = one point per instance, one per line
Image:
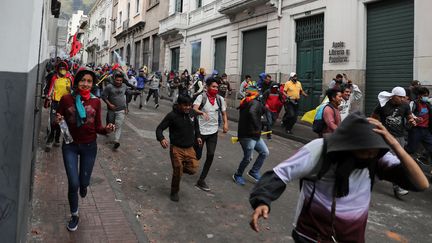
(60, 85)
(209, 106)
(336, 178)
(249, 134)
(183, 133)
(82, 113)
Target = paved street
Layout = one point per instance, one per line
(129, 196)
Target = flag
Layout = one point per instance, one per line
(76, 46)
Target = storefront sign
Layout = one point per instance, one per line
(338, 53)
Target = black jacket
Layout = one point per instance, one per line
(183, 128)
(250, 125)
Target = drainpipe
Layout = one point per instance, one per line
(280, 9)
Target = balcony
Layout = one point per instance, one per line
(105, 43)
(205, 13)
(173, 25)
(231, 7)
(102, 23)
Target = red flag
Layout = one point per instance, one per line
(76, 46)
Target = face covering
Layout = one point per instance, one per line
(364, 163)
(425, 99)
(212, 92)
(85, 94)
(62, 72)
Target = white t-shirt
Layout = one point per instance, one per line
(211, 126)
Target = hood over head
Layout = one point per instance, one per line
(81, 72)
(355, 133)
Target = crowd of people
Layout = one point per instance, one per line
(337, 170)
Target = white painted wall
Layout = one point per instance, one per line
(22, 37)
(423, 41)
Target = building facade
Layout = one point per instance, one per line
(97, 36)
(74, 23)
(378, 44)
(135, 35)
(22, 69)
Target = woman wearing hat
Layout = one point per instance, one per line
(81, 111)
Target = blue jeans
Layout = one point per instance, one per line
(271, 119)
(78, 177)
(248, 146)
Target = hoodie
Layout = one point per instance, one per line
(346, 183)
(183, 128)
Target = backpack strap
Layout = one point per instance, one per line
(203, 100)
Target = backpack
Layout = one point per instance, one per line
(319, 124)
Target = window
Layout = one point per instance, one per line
(156, 53)
(146, 51)
(175, 59)
(199, 3)
(196, 56)
(179, 6)
(137, 6)
(120, 19)
(128, 11)
(137, 54)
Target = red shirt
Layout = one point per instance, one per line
(274, 103)
(423, 112)
(87, 132)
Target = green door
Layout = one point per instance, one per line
(254, 52)
(175, 59)
(310, 42)
(390, 48)
(220, 54)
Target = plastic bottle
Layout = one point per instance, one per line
(65, 130)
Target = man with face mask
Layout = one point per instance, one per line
(60, 85)
(420, 133)
(393, 112)
(337, 174)
(292, 90)
(209, 106)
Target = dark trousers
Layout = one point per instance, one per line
(291, 114)
(417, 136)
(155, 93)
(183, 160)
(78, 161)
(54, 131)
(210, 141)
(270, 119)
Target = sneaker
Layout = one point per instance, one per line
(140, 106)
(73, 223)
(254, 176)
(288, 131)
(57, 144)
(83, 192)
(174, 196)
(156, 106)
(269, 136)
(116, 145)
(202, 185)
(145, 102)
(399, 192)
(239, 179)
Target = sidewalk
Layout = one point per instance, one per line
(102, 218)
